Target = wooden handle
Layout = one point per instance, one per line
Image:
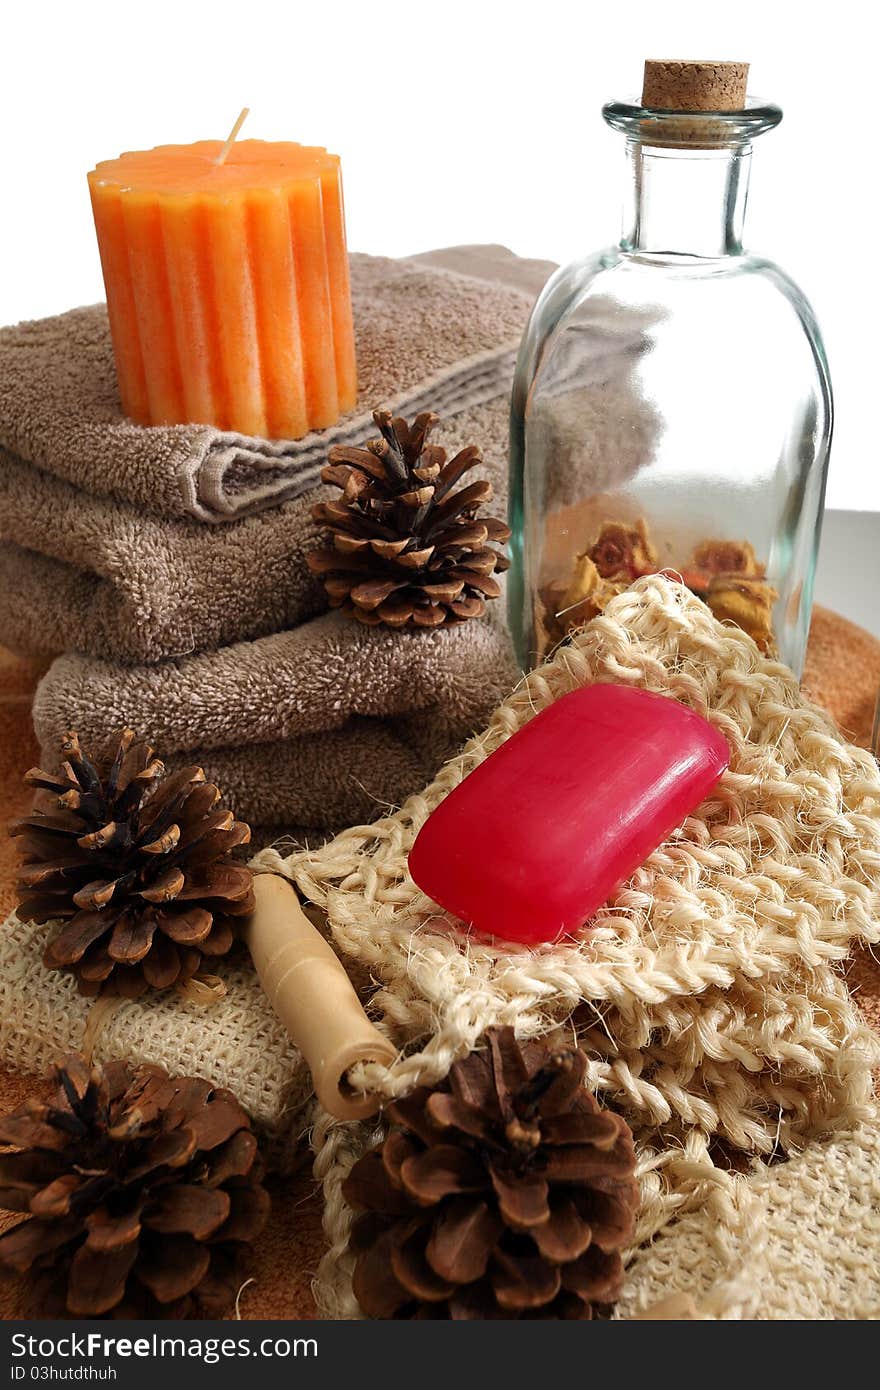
(313, 997)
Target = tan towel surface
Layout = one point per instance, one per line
(92, 575)
(322, 726)
(426, 336)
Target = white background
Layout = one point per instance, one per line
(456, 122)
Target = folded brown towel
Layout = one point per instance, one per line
(325, 725)
(92, 575)
(426, 337)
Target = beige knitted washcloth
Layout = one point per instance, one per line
(715, 966)
(708, 993)
(234, 1041)
(426, 337)
(802, 1242)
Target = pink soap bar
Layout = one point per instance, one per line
(540, 835)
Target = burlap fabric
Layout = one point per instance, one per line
(802, 1241)
(708, 995)
(233, 1041)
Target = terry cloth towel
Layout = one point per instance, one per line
(326, 725)
(125, 585)
(426, 338)
(93, 574)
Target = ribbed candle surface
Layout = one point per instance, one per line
(227, 286)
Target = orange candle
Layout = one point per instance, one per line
(227, 285)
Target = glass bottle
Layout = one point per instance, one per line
(671, 405)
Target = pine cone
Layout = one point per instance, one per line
(505, 1193)
(142, 1192)
(140, 865)
(407, 551)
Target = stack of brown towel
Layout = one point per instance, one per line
(164, 568)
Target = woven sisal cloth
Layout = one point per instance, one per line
(801, 1240)
(234, 1041)
(708, 994)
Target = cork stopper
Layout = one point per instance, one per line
(694, 86)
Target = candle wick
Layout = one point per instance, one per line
(242, 117)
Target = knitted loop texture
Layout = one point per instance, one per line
(708, 993)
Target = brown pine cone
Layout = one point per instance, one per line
(142, 1193)
(138, 863)
(505, 1192)
(407, 549)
